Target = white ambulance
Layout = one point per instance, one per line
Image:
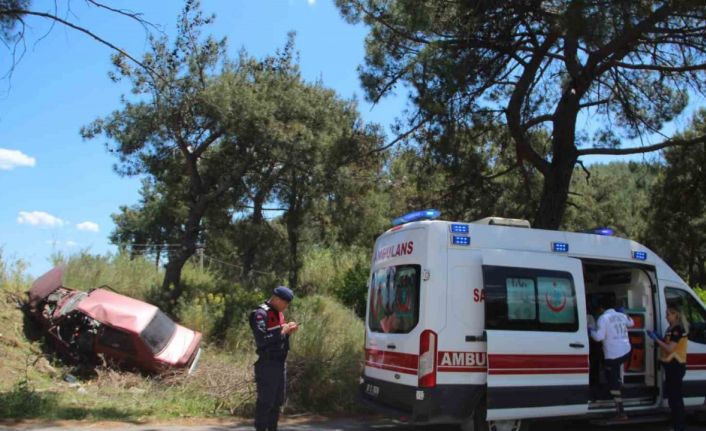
(485, 324)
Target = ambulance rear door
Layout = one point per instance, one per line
(536, 335)
(393, 314)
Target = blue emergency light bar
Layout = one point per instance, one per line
(428, 214)
(560, 247)
(459, 228)
(461, 240)
(605, 231)
(639, 255)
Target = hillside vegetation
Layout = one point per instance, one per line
(34, 384)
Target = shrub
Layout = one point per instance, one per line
(324, 269)
(136, 277)
(12, 275)
(326, 357)
(700, 292)
(24, 402)
(353, 289)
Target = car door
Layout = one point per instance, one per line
(117, 345)
(536, 332)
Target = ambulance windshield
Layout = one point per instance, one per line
(394, 299)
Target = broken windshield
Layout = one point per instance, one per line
(158, 332)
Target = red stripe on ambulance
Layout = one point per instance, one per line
(537, 364)
(695, 361)
(476, 362)
(405, 363)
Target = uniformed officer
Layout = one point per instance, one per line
(271, 333)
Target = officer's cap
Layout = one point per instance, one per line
(284, 293)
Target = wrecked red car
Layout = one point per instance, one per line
(84, 326)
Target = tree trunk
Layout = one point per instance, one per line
(159, 255)
(557, 179)
(171, 286)
(293, 226)
(250, 253)
(702, 272)
(555, 192)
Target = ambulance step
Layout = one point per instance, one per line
(631, 420)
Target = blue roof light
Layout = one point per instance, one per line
(560, 247)
(428, 214)
(605, 231)
(461, 240)
(639, 255)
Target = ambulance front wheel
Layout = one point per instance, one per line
(477, 422)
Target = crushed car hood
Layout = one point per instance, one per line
(118, 311)
(45, 285)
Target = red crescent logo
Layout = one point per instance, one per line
(553, 308)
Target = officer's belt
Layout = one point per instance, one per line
(273, 356)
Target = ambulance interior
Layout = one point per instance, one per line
(633, 288)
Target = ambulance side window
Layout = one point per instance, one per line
(394, 299)
(692, 310)
(528, 299)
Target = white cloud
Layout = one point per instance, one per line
(39, 218)
(88, 226)
(70, 243)
(11, 159)
(311, 2)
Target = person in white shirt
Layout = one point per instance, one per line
(612, 330)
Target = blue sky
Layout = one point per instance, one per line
(57, 191)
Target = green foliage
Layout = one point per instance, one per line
(12, 274)
(137, 277)
(9, 21)
(325, 268)
(326, 357)
(216, 310)
(463, 172)
(22, 402)
(615, 195)
(220, 139)
(701, 292)
(532, 67)
(677, 216)
(152, 224)
(353, 291)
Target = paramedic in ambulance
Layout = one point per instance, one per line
(672, 351)
(271, 333)
(611, 330)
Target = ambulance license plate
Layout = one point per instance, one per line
(372, 389)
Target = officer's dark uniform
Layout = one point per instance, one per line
(270, 369)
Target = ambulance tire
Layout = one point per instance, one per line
(477, 422)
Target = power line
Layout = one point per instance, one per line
(239, 267)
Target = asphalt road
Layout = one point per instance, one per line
(346, 424)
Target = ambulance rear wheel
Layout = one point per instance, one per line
(477, 422)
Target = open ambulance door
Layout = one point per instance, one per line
(537, 341)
